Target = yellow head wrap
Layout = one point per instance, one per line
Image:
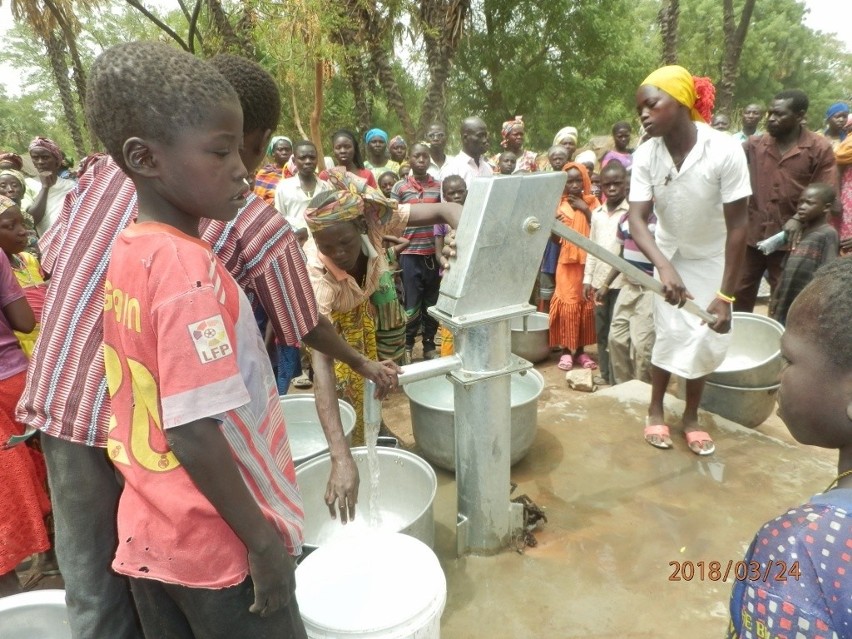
(679, 83)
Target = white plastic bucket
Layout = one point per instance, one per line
(39, 614)
(375, 585)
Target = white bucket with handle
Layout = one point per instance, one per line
(376, 585)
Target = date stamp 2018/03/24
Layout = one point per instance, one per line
(739, 570)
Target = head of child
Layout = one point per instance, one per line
(507, 162)
(815, 204)
(454, 189)
(397, 148)
(815, 398)
(186, 165)
(404, 170)
(386, 181)
(305, 158)
(12, 185)
(419, 160)
(614, 183)
(558, 157)
(13, 233)
(338, 218)
(720, 122)
(621, 136)
(578, 180)
(595, 179)
(345, 149)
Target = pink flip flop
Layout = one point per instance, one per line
(699, 437)
(566, 363)
(586, 361)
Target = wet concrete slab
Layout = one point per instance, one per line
(623, 518)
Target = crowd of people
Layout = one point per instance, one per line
(226, 281)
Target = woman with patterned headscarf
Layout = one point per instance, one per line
(50, 189)
(346, 262)
(696, 181)
(512, 134)
(280, 150)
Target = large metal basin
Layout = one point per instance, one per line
(747, 406)
(307, 439)
(39, 614)
(433, 418)
(407, 487)
(530, 336)
(754, 356)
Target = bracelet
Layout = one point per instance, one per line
(730, 299)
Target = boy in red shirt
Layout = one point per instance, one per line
(210, 513)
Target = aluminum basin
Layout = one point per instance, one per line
(39, 614)
(754, 356)
(530, 335)
(747, 406)
(307, 439)
(433, 420)
(407, 487)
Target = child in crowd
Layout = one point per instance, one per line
(810, 543)
(819, 244)
(210, 513)
(13, 185)
(588, 159)
(558, 157)
(14, 240)
(398, 149)
(404, 170)
(453, 189)
(23, 500)
(621, 140)
(572, 316)
(386, 181)
(597, 286)
(631, 332)
(419, 265)
(596, 185)
(506, 162)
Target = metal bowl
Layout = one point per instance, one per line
(754, 356)
(307, 439)
(39, 614)
(433, 418)
(530, 335)
(747, 406)
(407, 487)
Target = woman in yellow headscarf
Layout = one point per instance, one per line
(346, 260)
(696, 180)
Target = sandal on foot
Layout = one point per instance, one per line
(566, 363)
(302, 381)
(661, 431)
(586, 361)
(698, 438)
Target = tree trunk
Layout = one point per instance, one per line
(734, 40)
(354, 69)
(59, 67)
(316, 113)
(442, 26)
(668, 19)
(232, 41)
(387, 79)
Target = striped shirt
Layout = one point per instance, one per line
(413, 191)
(181, 344)
(66, 393)
(632, 253)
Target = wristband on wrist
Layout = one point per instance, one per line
(730, 299)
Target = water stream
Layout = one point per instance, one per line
(371, 436)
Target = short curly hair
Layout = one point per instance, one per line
(823, 311)
(150, 90)
(256, 88)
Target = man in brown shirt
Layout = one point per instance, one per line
(781, 165)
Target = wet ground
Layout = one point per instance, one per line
(622, 517)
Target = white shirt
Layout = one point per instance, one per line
(55, 200)
(464, 166)
(688, 203)
(292, 201)
(604, 233)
